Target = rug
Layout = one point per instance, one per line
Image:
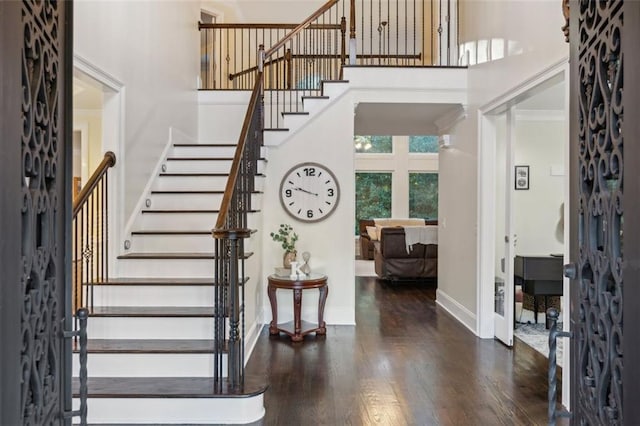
(536, 336)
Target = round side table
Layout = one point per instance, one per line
(297, 329)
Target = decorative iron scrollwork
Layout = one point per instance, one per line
(42, 218)
(598, 323)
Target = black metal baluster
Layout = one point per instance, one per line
(552, 315)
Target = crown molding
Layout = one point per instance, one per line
(446, 122)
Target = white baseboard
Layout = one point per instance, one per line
(251, 338)
(459, 312)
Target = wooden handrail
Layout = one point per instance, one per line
(109, 160)
(235, 166)
(328, 5)
(242, 26)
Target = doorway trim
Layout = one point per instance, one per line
(486, 195)
(113, 138)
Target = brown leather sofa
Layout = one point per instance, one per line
(366, 245)
(392, 261)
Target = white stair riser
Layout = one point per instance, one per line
(177, 221)
(203, 151)
(274, 138)
(161, 268)
(202, 166)
(175, 410)
(159, 243)
(194, 201)
(148, 295)
(312, 105)
(196, 183)
(182, 221)
(197, 166)
(149, 328)
(295, 121)
(334, 89)
(147, 365)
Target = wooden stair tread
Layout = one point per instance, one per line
(315, 97)
(156, 346)
(153, 311)
(166, 387)
(190, 191)
(170, 232)
(199, 174)
(275, 129)
(294, 113)
(197, 145)
(156, 281)
(174, 255)
(205, 159)
(179, 211)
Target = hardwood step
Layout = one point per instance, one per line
(151, 346)
(167, 387)
(156, 281)
(285, 113)
(152, 311)
(175, 256)
(187, 191)
(314, 97)
(198, 145)
(170, 232)
(187, 211)
(205, 159)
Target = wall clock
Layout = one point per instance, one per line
(309, 192)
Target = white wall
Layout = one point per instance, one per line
(153, 51)
(327, 140)
(540, 145)
(534, 27)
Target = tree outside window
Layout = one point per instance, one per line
(423, 195)
(373, 196)
(373, 144)
(423, 144)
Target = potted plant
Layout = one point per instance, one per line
(287, 239)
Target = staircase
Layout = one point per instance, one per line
(150, 350)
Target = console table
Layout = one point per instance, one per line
(297, 328)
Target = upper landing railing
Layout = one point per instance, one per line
(355, 32)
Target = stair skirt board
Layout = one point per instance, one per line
(148, 365)
(213, 410)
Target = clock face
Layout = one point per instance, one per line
(309, 192)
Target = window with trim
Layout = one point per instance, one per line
(373, 196)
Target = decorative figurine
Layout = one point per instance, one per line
(305, 268)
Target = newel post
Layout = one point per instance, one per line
(352, 33)
(261, 58)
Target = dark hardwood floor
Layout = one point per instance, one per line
(407, 362)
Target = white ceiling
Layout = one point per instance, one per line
(400, 118)
(548, 99)
(86, 95)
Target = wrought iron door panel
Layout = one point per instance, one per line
(43, 193)
(597, 293)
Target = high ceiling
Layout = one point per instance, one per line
(400, 118)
